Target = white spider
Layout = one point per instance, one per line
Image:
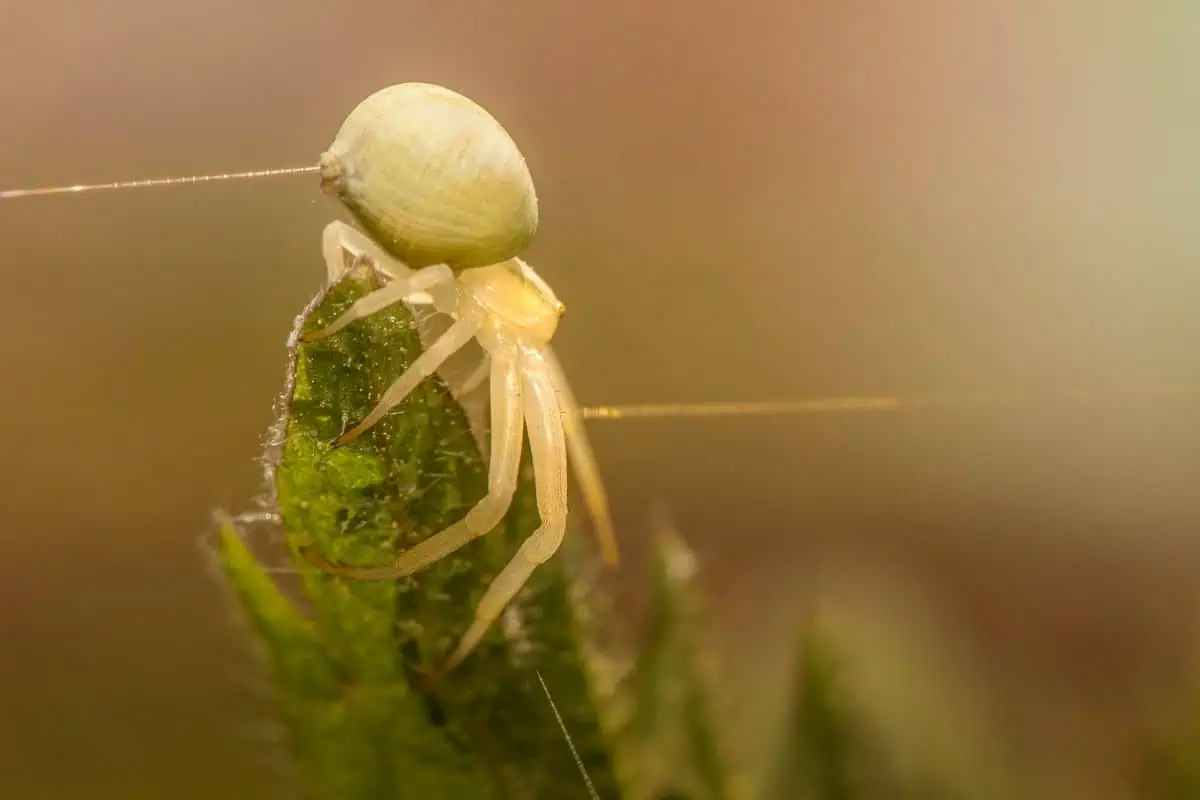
(513, 314)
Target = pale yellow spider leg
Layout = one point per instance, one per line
(473, 380)
(508, 430)
(546, 442)
(395, 291)
(335, 244)
(583, 462)
(455, 337)
(339, 239)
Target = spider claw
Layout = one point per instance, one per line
(347, 437)
(310, 554)
(312, 336)
(438, 670)
(426, 676)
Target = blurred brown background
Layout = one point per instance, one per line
(753, 200)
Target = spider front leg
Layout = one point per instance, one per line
(339, 239)
(547, 444)
(455, 337)
(508, 429)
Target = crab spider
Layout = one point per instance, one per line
(513, 314)
(447, 203)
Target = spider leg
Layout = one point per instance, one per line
(339, 239)
(474, 379)
(335, 244)
(583, 462)
(425, 365)
(508, 429)
(399, 289)
(546, 442)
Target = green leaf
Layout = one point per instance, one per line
(352, 674)
(670, 737)
(838, 745)
(816, 758)
(1171, 767)
(1172, 771)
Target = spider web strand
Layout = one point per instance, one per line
(830, 405)
(12, 194)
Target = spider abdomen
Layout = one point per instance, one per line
(433, 177)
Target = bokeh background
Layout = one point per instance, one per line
(754, 200)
